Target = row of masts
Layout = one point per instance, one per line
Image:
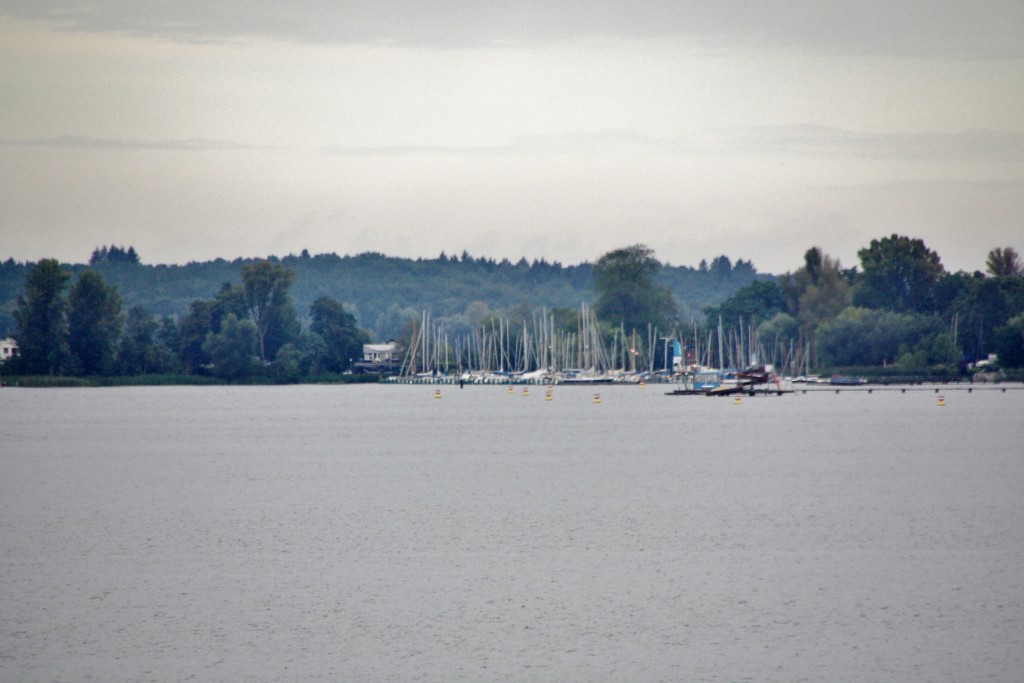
(537, 345)
(503, 346)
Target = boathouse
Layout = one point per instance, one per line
(380, 359)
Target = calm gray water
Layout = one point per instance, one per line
(376, 533)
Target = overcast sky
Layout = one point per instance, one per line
(198, 129)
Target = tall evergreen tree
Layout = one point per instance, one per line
(40, 316)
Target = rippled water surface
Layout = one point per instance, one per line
(375, 533)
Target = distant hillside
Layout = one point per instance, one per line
(383, 290)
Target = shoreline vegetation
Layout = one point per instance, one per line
(898, 317)
(66, 382)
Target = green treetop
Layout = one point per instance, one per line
(899, 274)
(626, 292)
(42, 328)
(94, 323)
(265, 285)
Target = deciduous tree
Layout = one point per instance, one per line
(94, 323)
(757, 301)
(817, 292)
(337, 327)
(265, 286)
(1010, 342)
(231, 351)
(899, 274)
(137, 341)
(1003, 262)
(626, 291)
(862, 336)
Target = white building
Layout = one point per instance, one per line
(8, 349)
(380, 359)
(381, 353)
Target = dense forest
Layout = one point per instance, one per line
(304, 317)
(381, 291)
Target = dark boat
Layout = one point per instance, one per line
(844, 381)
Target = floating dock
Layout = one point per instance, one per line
(839, 389)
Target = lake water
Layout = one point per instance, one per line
(375, 533)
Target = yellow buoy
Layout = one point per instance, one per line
(511, 390)
(437, 393)
(597, 398)
(526, 391)
(942, 400)
(737, 401)
(547, 396)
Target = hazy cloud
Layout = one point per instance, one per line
(87, 142)
(537, 128)
(574, 143)
(795, 140)
(782, 141)
(915, 27)
(985, 145)
(410, 150)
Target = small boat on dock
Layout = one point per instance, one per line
(697, 381)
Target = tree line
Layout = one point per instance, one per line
(382, 292)
(901, 308)
(249, 329)
(72, 321)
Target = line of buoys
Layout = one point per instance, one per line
(547, 394)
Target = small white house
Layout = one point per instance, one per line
(381, 353)
(380, 359)
(8, 349)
